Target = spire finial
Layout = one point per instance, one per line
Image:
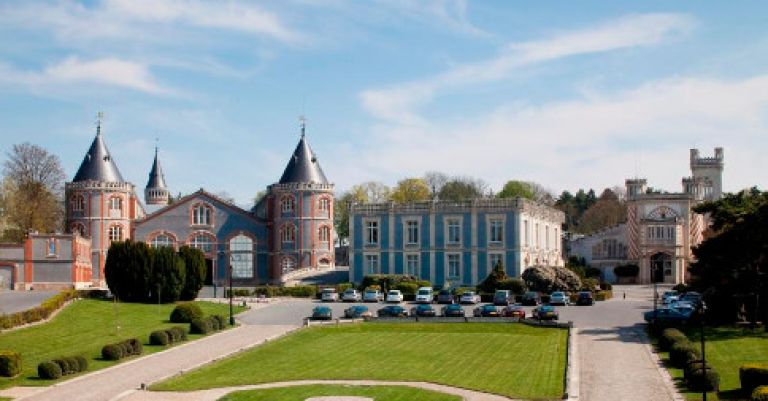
(157, 142)
(303, 125)
(99, 117)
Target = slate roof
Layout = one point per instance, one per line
(156, 176)
(303, 166)
(98, 164)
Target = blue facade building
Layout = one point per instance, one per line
(455, 243)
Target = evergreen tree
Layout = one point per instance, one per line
(194, 261)
(168, 274)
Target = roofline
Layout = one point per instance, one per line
(203, 192)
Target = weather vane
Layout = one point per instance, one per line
(99, 117)
(302, 124)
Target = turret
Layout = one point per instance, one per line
(708, 171)
(156, 192)
(635, 187)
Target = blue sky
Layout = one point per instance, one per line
(567, 94)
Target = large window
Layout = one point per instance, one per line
(202, 242)
(115, 233)
(201, 215)
(289, 233)
(241, 254)
(494, 259)
(372, 232)
(287, 204)
(325, 234)
(161, 240)
(324, 204)
(412, 265)
(371, 264)
(454, 266)
(412, 232)
(115, 206)
(454, 231)
(78, 203)
(497, 231)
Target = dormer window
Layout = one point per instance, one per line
(201, 215)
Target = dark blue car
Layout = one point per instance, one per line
(423, 310)
(453, 310)
(392, 311)
(356, 312)
(322, 313)
(668, 315)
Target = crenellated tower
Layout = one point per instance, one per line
(156, 191)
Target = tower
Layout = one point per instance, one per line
(708, 173)
(100, 205)
(156, 192)
(300, 209)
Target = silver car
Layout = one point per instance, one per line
(469, 297)
(350, 295)
(372, 296)
(329, 295)
(558, 298)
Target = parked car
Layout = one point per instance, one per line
(394, 296)
(321, 313)
(692, 297)
(683, 306)
(357, 311)
(372, 296)
(515, 310)
(503, 297)
(531, 298)
(487, 310)
(329, 295)
(452, 310)
(445, 297)
(558, 298)
(392, 311)
(667, 315)
(350, 295)
(424, 295)
(423, 310)
(545, 312)
(469, 297)
(585, 298)
(669, 296)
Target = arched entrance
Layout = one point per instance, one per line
(661, 265)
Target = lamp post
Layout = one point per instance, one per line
(655, 293)
(231, 314)
(702, 311)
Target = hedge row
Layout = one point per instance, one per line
(686, 356)
(10, 363)
(752, 376)
(46, 308)
(168, 336)
(603, 295)
(117, 351)
(208, 325)
(56, 368)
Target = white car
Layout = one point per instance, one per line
(558, 298)
(329, 295)
(469, 297)
(424, 295)
(372, 296)
(394, 296)
(350, 295)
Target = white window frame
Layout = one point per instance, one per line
(288, 233)
(154, 243)
(287, 204)
(78, 203)
(448, 265)
(413, 270)
(200, 244)
(416, 231)
(368, 267)
(324, 204)
(241, 256)
(201, 214)
(115, 233)
(490, 221)
(449, 240)
(371, 228)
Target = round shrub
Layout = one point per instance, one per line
(10, 363)
(65, 366)
(49, 370)
(82, 363)
(693, 366)
(214, 323)
(606, 286)
(704, 380)
(138, 349)
(669, 337)
(222, 321)
(200, 326)
(112, 352)
(172, 336)
(74, 364)
(159, 337)
(760, 393)
(126, 348)
(180, 333)
(753, 375)
(683, 352)
(186, 312)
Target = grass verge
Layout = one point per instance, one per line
(514, 360)
(378, 393)
(82, 328)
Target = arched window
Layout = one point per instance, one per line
(161, 240)
(203, 242)
(288, 233)
(241, 254)
(201, 215)
(325, 234)
(288, 265)
(115, 233)
(287, 204)
(324, 204)
(78, 203)
(78, 228)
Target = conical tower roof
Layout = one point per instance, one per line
(98, 164)
(303, 166)
(156, 176)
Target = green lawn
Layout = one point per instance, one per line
(82, 328)
(378, 393)
(727, 349)
(515, 360)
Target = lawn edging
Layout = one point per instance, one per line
(666, 376)
(572, 373)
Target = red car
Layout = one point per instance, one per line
(513, 311)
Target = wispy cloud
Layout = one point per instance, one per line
(106, 71)
(398, 103)
(450, 14)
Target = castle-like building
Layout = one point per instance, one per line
(661, 228)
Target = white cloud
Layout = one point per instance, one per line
(450, 14)
(71, 71)
(398, 103)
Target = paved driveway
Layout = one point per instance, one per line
(15, 301)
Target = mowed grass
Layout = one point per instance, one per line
(514, 360)
(727, 349)
(377, 393)
(82, 328)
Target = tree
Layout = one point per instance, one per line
(194, 262)
(128, 270)
(608, 211)
(372, 192)
(260, 195)
(517, 189)
(541, 194)
(32, 187)
(551, 278)
(168, 274)
(491, 282)
(410, 190)
(462, 188)
(435, 180)
(341, 209)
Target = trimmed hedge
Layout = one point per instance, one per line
(208, 324)
(57, 368)
(760, 394)
(159, 337)
(670, 336)
(49, 370)
(752, 376)
(603, 295)
(10, 363)
(112, 352)
(300, 291)
(682, 352)
(186, 312)
(126, 348)
(46, 309)
(694, 366)
(703, 380)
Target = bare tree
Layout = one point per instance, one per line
(435, 181)
(28, 163)
(462, 188)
